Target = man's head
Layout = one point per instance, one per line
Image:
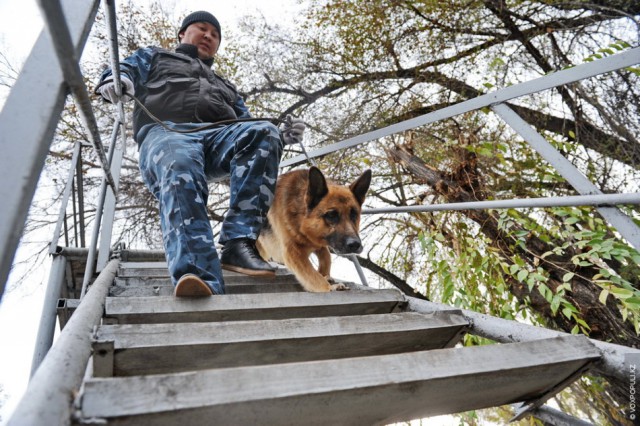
(201, 29)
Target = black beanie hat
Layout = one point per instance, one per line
(200, 16)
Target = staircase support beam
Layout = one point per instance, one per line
(48, 399)
(557, 418)
(46, 329)
(615, 358)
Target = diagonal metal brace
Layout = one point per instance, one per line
(523, 409)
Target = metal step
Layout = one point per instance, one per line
(248, 307)
(143, 269)
(144, 279)
(353, 391)
(159, 269)
(127, 350)
(239, 284)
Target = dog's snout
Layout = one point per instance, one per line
(344, 244)
(353, 245)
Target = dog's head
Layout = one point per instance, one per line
(333, 211)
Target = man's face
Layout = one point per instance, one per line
(204, 36)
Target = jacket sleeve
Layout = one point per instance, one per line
(241, 108)
(135, 67)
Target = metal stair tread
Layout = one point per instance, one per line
(162, 286)
(159, 269)
(236, 307)
(160, 348)
(363, 390)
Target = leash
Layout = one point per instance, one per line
(275, 121)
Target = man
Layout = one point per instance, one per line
(182, 91)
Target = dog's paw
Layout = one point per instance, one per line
(339, 287)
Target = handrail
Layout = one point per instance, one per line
(57, 24)
(508, 331)
(93, 246)
(65, 198)
(110, 11)
(33, 124)
(623, 224)
(572, 75)
(47, 400)
(566, 201)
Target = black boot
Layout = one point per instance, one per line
(241, 255)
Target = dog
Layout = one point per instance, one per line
(311, 215)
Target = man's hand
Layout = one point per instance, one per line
(108, 90)
(292, 130)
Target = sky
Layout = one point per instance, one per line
(21, 305)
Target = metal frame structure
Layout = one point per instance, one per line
(69, 25)
(33, 124)
(496, 101)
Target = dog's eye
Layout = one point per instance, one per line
(353, 215)
(332, 216)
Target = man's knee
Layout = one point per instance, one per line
(265, 135)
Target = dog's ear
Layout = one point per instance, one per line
(361, 186)
(317, 188)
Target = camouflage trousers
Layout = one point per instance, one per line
(176, 167)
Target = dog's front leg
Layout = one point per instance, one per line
(298, 262)
(324, 262)
(324, 268)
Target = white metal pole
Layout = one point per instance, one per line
(46, 330)
(48, 399)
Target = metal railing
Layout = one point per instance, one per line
(33, 125)
(497, 102)
(24, 162)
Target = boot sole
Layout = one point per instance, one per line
(192, 286)
(250, 272)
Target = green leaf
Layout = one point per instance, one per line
(555, 304)
(546, 292)
(514, 268)
(621, 293)
(567, 277)
(603, 296)
(633, 303)
(522, 275)
(583, 324)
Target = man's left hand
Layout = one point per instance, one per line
(293, 130)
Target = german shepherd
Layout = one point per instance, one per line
(311, 215)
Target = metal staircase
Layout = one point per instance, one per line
(269, 353)
(266, 352)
